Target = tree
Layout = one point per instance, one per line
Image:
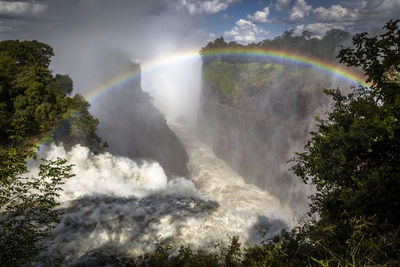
(353, 158)
(27, 204)
(33, 103)
(335, 36)
(28, 52)
(79, 126)
(64, 83)
(306, 34)
(288, 33)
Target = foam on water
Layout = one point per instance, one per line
(213, 177)
(116, 206)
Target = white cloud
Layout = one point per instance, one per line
(21, 8)
(299, 29)
(261, 16)
(381, 5)
(319, 29)
(214, 6)
(360, 15)
(281, 4)
(299, 11)
(201, 6)
(352, 16)
(245, 31)
(357, 16)
(226, 16)
(335, 13)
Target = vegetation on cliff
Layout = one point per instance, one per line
(239, 75)
(324, 48)
(256, 109)
(233, 78)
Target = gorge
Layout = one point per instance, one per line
(190, 184)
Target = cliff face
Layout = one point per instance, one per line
(255, 114)
(131, 125)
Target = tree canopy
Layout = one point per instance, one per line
(353, 158)
(34, 103)
(324, 48)
(27, 205)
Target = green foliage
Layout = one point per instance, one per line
(324, 48)
(78, 126)
(28, 95)
(295, 248)
(164, 255)
(64, 83)
(220, 74)
(353, 158)
(27, 204)
(33, 102)
(234, 79)
(239, 76)
(28, 53)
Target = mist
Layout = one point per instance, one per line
(258, 132)
(96, 41)
(82, 31)
(178, 96)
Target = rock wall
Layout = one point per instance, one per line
(131, 125)
(256, 113)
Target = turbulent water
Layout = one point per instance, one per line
(116, 206)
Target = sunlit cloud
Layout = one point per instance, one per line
(260, 16)
(21, 8)
(245, 31)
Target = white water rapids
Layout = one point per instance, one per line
(117, 206)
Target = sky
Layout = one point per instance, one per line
(81, 30)
(243, 21)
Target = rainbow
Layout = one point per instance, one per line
(291, 58)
